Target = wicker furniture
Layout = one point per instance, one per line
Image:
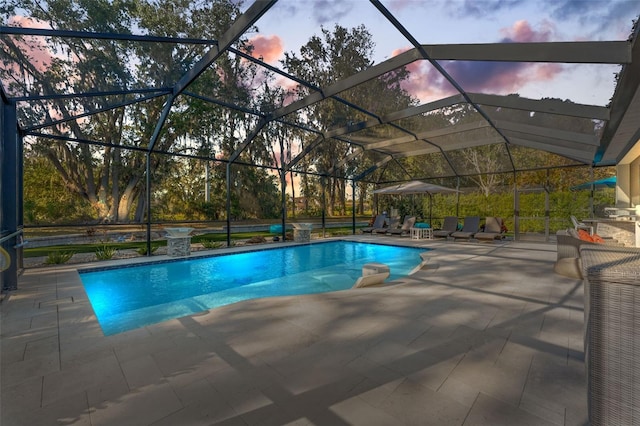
(612, 333)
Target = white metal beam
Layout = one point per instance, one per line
(449, 130)
(389, 65)
(583, 156)
(547, 132)
(563, 143)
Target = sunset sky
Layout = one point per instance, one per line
(290, 23)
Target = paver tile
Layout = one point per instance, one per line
(493, 412)
(491, 336)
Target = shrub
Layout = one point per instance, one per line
(142, 251)
(58, 257)
(210, 244)
(105, 252)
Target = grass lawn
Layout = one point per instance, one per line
(141, 245)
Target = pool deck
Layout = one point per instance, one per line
(486, 334)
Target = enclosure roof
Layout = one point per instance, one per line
(561, 84)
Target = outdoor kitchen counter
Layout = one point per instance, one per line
(626, 231)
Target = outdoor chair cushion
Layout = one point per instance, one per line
(492, 229)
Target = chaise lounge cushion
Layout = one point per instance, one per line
(450, 226)
(570, 267)
(377, 223)
(470, 228)
(568, 261)
(492, 229)
(408, 223)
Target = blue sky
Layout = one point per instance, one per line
(290, 23)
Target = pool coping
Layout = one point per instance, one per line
(142, 261)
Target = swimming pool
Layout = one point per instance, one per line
(131, 297)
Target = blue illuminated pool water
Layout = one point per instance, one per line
(131, 297)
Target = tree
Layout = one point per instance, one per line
(111, 177)
(45, 198)
(331, 57)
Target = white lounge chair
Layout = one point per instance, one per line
(579, 225)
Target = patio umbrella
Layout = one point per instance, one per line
(416, 187)
(609, 182)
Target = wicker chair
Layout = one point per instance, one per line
(612, 332)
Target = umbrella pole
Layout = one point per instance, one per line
(593, 190)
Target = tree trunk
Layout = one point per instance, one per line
(293, 197)
(140, 209)
(332, 196)
(129, 195)
(361, 198)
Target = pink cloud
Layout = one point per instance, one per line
(32, 46)
(28, 22)
(427, 84)
(398, 5)
(424, 82)
(521, 32)
(289, 87)
(267, 47)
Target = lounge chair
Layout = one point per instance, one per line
(492, 229)
(377, 223)
(408, 223)
(579, 225)
(449, 226)
(469, 229)
(394, 223)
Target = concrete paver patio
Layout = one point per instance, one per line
(487, 334)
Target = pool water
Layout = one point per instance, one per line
(131, 297)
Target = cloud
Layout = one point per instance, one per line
(426, 83)
(28, 22)
(317, 12)
(34, 47)
(568, 9)
(521, 32)
(398, 5)
(267, 47)
(480, 9)
(613, 17)
(499, 77)
(618, 19)
(331, 11)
